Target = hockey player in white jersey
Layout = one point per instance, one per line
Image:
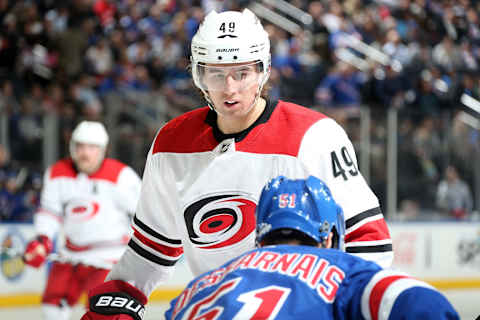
(206, 168)
(294, 276)
(90, 200)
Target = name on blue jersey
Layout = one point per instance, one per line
(316, 272)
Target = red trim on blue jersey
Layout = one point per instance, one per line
(165, 250)
(109, 170)
(190, 133)
(377, 292)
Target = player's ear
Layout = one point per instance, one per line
(327, 243)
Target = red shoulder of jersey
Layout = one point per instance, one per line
(186, 134)
(110, 170)
(283, 132)
(63, 168)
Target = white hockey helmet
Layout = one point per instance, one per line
(230, 37)
(90, 132)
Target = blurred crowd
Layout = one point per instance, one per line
(19, 192)
(66, 58)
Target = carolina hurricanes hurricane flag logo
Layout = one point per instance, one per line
(82, 209)
(220, 221)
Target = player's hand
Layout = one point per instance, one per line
(37, 251)
(115, 300)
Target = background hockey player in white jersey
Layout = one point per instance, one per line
(206, 168)
(90, 200)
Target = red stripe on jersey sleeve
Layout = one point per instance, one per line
(102, 244)
(370, 231)
(377, 293)
(168, 251)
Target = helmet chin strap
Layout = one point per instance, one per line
(209, 101)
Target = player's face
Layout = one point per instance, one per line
(88, 157)
(232, 87)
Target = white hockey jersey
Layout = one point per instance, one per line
(200, 189)
(92, 213)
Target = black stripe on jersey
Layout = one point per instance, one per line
(370, 249)
(153, 233)
(149, 256)
(359, 217)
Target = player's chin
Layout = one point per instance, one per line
(228, 108)
(237, 112)
(87, 167)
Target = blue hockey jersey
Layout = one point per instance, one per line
(301, 282)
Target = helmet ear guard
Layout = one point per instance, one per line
(303, 205)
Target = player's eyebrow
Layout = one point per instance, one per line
(234, 68)
(214, 70)
(244, 68)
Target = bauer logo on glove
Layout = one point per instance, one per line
(117, 303)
